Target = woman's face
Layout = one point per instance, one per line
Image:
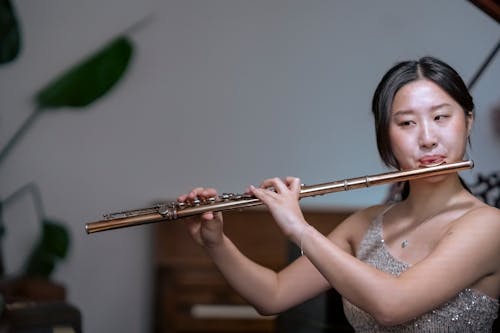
(427, 126)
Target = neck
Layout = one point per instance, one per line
(431, 195)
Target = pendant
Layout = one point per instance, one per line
(404, 243)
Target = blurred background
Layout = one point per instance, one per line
(220, 93)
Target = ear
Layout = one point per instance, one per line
(469, 121)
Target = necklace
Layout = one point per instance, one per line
(405, 243)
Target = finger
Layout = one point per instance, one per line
(209, 193)
(259, 192)
(199, 192)
(204, 217)
(265, 195)
(195, 192)
(193, 226)
(218, 215)
(190, 195)
(207, 216)
(293, 183)
(275, 183)
(290, 180)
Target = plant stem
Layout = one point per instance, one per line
(19, 133)
(32, 189)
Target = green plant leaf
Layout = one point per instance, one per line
(52, 246)
(40, 264)
(88, 80)
(55, 238)
(10, 37)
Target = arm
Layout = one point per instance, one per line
(269, 292)
(463, 257)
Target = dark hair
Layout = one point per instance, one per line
(403, 73)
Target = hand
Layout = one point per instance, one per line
(283, 204)
(206, 229)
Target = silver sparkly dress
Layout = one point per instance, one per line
(469, 312)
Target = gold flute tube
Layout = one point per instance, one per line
(174, 210)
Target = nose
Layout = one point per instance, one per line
(427, 136)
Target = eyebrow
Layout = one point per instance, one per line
(407, 112)
(402, 113)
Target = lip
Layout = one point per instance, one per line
(431, 160)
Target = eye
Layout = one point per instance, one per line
(405, 123)
(440, 117)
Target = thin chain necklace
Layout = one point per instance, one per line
(405, 241)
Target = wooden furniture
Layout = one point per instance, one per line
(33, 304)
(191, 295)
(37, 317)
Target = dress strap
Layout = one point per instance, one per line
(385, 210)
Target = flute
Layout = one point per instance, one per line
(229, 201)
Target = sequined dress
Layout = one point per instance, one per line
(470, 311)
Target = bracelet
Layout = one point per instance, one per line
(301, 238)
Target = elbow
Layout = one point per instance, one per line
(270, 306)
(266, 311)
(386, 319)
(390, 314)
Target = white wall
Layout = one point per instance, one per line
(221, 93)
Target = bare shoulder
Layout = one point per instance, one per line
(361, 219)
(483, 216)
(482, 224)
(478, 232)
(352, 230)
(481, 221)
(476, 236)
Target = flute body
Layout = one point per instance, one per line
(229, 201)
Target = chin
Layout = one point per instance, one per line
(434, 179)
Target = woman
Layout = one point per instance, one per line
(430, 262)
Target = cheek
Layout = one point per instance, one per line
(399, 140)
(401, 146)
(456, 135)
(461, 140)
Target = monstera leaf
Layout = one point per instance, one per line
(89, 80)
(80, 85)
(10, 38)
